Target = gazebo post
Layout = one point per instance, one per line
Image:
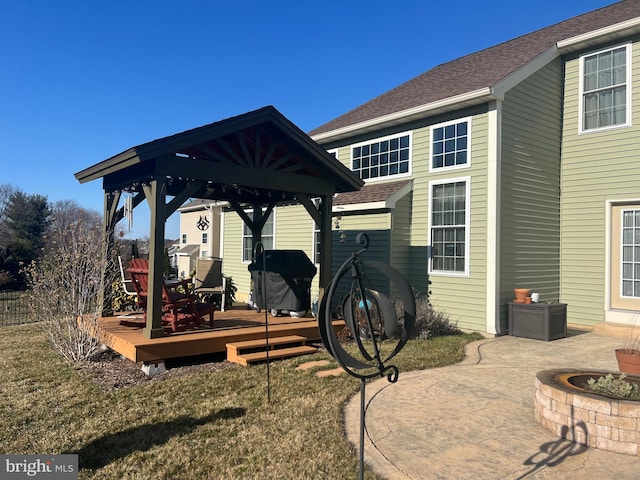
(155, 193)
(110, 218)
(326, 206)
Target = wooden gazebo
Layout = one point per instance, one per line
(257, 161)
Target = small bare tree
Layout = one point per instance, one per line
(67, 285)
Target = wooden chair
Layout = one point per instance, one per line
(180, 311)
(209, 279)
(127, 283)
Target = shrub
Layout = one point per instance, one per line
(120, 300)
(429, 322)
(66, 288)
(613, 387)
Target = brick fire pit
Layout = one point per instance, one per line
(570, 412)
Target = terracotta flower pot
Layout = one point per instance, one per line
(521, 294)
(628, 360)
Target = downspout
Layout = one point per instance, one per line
(494, 159)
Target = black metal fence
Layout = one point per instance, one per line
(14, 308)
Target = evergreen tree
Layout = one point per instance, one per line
(26, 220)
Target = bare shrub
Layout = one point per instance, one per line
(66, 287)
(429, 321)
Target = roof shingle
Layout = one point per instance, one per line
(370, 193)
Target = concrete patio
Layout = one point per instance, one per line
(475, 420)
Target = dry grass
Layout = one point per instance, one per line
(200, 425)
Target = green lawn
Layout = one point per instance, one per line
(203, 425)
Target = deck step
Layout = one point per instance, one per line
(277, 353)
(253, 351)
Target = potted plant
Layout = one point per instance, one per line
(628, 356)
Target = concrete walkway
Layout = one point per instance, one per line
(475, 420)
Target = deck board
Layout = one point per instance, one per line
(234, 325)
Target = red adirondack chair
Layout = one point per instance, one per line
(180, 311)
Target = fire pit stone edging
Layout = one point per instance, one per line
(587, 419)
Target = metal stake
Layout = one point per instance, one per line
(362, 412)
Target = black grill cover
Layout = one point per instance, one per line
(288, 277)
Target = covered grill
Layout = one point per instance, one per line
(287, 280)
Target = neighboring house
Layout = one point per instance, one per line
(515, 166)
(200, 229)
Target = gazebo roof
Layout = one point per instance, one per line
(259, 157)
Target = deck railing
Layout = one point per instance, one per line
(14, 308)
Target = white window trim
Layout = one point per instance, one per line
(628, 82)
(335, 151)
(444, 124)
(380, 139)
(250, 213)
(467, 226)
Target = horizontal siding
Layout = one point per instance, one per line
(377, 221)
(232, 254)
(445, 290)
(410, 223)
(529, 202)
(294, 231)
(596, 167)
(188, 227)
(401, 242)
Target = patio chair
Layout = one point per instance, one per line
(209, 279)
(180, 311)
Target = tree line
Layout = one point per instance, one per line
(28, 224)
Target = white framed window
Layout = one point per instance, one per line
(204, 254)
(383, 157)
(205, 237)
(605, 89)
(451, 145)
(334, 152)
(184, 238)
(268, 237)
(449, 226)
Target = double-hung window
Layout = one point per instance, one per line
(382, 158)
(267, 238)
(449, 208)
(605, 89)
(450, 145)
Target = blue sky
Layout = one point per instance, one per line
(81, 81)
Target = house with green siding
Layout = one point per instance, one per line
(517, 166)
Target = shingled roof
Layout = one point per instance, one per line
(376, 195)
(480, 70)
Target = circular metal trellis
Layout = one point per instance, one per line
(370, 315)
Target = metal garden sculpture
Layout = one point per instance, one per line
(372, 318)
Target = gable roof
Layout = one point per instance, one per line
(473, 79)
(259, 157)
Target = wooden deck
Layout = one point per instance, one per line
(235, 325)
